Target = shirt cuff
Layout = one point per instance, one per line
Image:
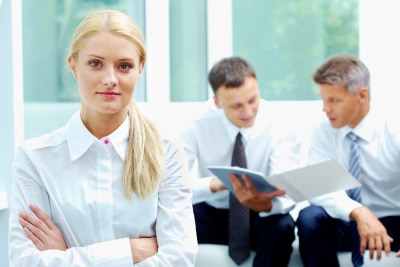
(201, 190)
(337, 204)
(280, 205)
(112, 253)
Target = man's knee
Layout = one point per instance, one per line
(310, 218)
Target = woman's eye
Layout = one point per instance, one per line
(125, 66)
(95, 64)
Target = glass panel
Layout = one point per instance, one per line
(188, 50)
(47, 28)
(286, 40)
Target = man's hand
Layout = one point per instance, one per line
(398, 254)
(250, 197)
(373, 234)
(41, 230)
(216, 185)
(143, 248)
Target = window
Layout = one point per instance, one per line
(188, 53)
(286, 40)
(46, 38)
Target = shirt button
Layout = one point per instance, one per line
(106, 141)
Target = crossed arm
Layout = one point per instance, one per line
(44, 234)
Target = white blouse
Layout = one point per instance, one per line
(76, 179)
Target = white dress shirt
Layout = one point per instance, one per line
(379, 147)
(76, 179)
(269, 146)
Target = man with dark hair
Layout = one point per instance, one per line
(241, 118)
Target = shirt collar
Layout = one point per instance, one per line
(364, 129)
(80, 139)
(233, 130)
(119, 138)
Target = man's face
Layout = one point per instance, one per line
(240, 104)
(341, 107)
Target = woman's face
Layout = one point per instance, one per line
(106, 69)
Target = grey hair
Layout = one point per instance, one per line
(343, 70)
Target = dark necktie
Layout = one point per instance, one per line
(355, 170)
(239, 215)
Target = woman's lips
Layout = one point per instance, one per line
(108, 94)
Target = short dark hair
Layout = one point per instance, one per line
(230, 72)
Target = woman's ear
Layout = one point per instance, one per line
(71, 65)
(141, 67)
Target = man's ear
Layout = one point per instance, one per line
(363, 94)
(216, 102)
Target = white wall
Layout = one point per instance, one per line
(380, 50)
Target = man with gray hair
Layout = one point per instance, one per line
(366, 218)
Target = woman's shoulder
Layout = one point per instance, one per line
(51, 139)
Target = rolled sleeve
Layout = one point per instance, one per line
(280, 205)
(338, 204)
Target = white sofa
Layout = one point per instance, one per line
(217, 256)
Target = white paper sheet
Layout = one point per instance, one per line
(300, 184)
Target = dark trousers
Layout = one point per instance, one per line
(321, 236)
(271, 237)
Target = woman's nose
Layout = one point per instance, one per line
(110, 79)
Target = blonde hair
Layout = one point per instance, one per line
(144, 162)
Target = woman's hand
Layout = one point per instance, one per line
(41, 230)
(143, 248)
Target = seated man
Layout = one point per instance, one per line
(369, 146)
(268, 148)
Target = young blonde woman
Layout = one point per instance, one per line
(106, 189)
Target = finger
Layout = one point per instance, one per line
(371, 247)
(249, 184)
(33, 232)
(236, 183)
(35, 240)
(42, 216)
(398, 254)
(33, 220)
(36, 226)
(363, 245)
(273, 194)
(386, 245)
(378, 248)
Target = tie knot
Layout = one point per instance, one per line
(353, 137)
